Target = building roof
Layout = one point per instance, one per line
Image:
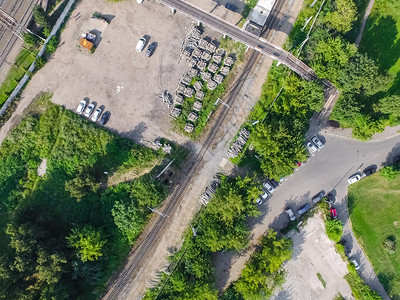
(266, 4)
(85, 43)
(259, 14)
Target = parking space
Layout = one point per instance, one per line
(315, 263)
(125, 81)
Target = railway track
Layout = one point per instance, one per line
(189, 169)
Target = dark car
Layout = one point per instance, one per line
(331, 198)
(318, 197)
(304, 209)
(231, 7)
(150, 49)
(369, 171)
(104, 118)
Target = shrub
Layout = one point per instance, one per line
(334, 229)
(389, 244)
(389, 172)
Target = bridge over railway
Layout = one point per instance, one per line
(243, 36)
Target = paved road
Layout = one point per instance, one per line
(327, 170)
(242, 36)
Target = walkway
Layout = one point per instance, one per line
(367, 12)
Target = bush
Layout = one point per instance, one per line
(51, 46)
(389, 172)
(389, 244)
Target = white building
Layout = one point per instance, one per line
(259, 15)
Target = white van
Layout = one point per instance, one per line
(140, 45)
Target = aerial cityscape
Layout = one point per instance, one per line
(200, 149)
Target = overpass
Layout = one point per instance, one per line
(243, 36)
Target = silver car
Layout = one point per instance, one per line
(317, 142)
(354, 178)
(97, 114)
(81, 107)
(291, 215)
(89, 110)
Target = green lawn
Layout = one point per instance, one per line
(375, 214)
(381, 38)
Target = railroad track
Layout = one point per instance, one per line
(189, 169)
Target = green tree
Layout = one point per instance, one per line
(81, 185)
(88, 241)
(389, 172)
(390, 105)
(41, 17)
(343, 16)
(334, 229)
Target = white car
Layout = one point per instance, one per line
(311, 147)
(140, 44)
(355, 263)
(97, 114)
(139, 1)
(354, 178)
(268, 187)
(81, 107)
(89, 110)
(317, 142)
(291, 215)
(258, 201)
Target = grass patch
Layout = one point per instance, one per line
(375, 215)
(22, 63)
(321, 279)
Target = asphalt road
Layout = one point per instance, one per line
(242, 36)
(327, 170)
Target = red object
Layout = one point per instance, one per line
(333, 213)
(299, 164)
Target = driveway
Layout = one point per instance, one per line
(327, 170)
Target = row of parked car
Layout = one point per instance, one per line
(314, 145)
(92, 108)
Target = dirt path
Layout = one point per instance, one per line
(367, 12)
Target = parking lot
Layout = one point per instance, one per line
(314, 253)
(116, 75)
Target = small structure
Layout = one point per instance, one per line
(192, 117)
(217, 58)
(192, 62)
(203, 44)
(224, 70)
(213, 68)
(189, 127)
(206, 56)
(258, 16)
(219, 78)
(85, 43)
(166, 97)
(175, 112)
(212, 47)
(197, 106)
(179, 99)
(199, 95)
(197, 53)
(206, 76)
(228, 61)
(211, 85)
(239, 143)
(186, 79)
(188, 92)
(198, 86)
(201, 64)
(180, 89)
(193, 72)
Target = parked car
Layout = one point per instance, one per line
(89, 109)
(140, 44)
(318, 197)
(331, 198)
(264, 196)
(268, 187)
(150, 50)
(231, 7)
(354, 178)
(369, 171)
(317, 142)
(258, 201)
(97, 114)
(311, 147)
(104, 118)
(81, 107)
(355, 263)
(304, 209)
(333, 213)
(291, 215)
(139, 1)
(346, 246)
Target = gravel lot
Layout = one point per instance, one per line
(116, 75)
(314, 253)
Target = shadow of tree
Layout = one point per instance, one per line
(388, 281)
(379, 41)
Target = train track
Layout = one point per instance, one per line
(23, 20)
(189, 169)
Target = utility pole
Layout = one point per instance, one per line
(11, 24)
(157, 212)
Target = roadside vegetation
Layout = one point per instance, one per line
(221, 226)
(65, 232)
(374, 213)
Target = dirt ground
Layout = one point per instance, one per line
(314, 253)
(116, 75)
